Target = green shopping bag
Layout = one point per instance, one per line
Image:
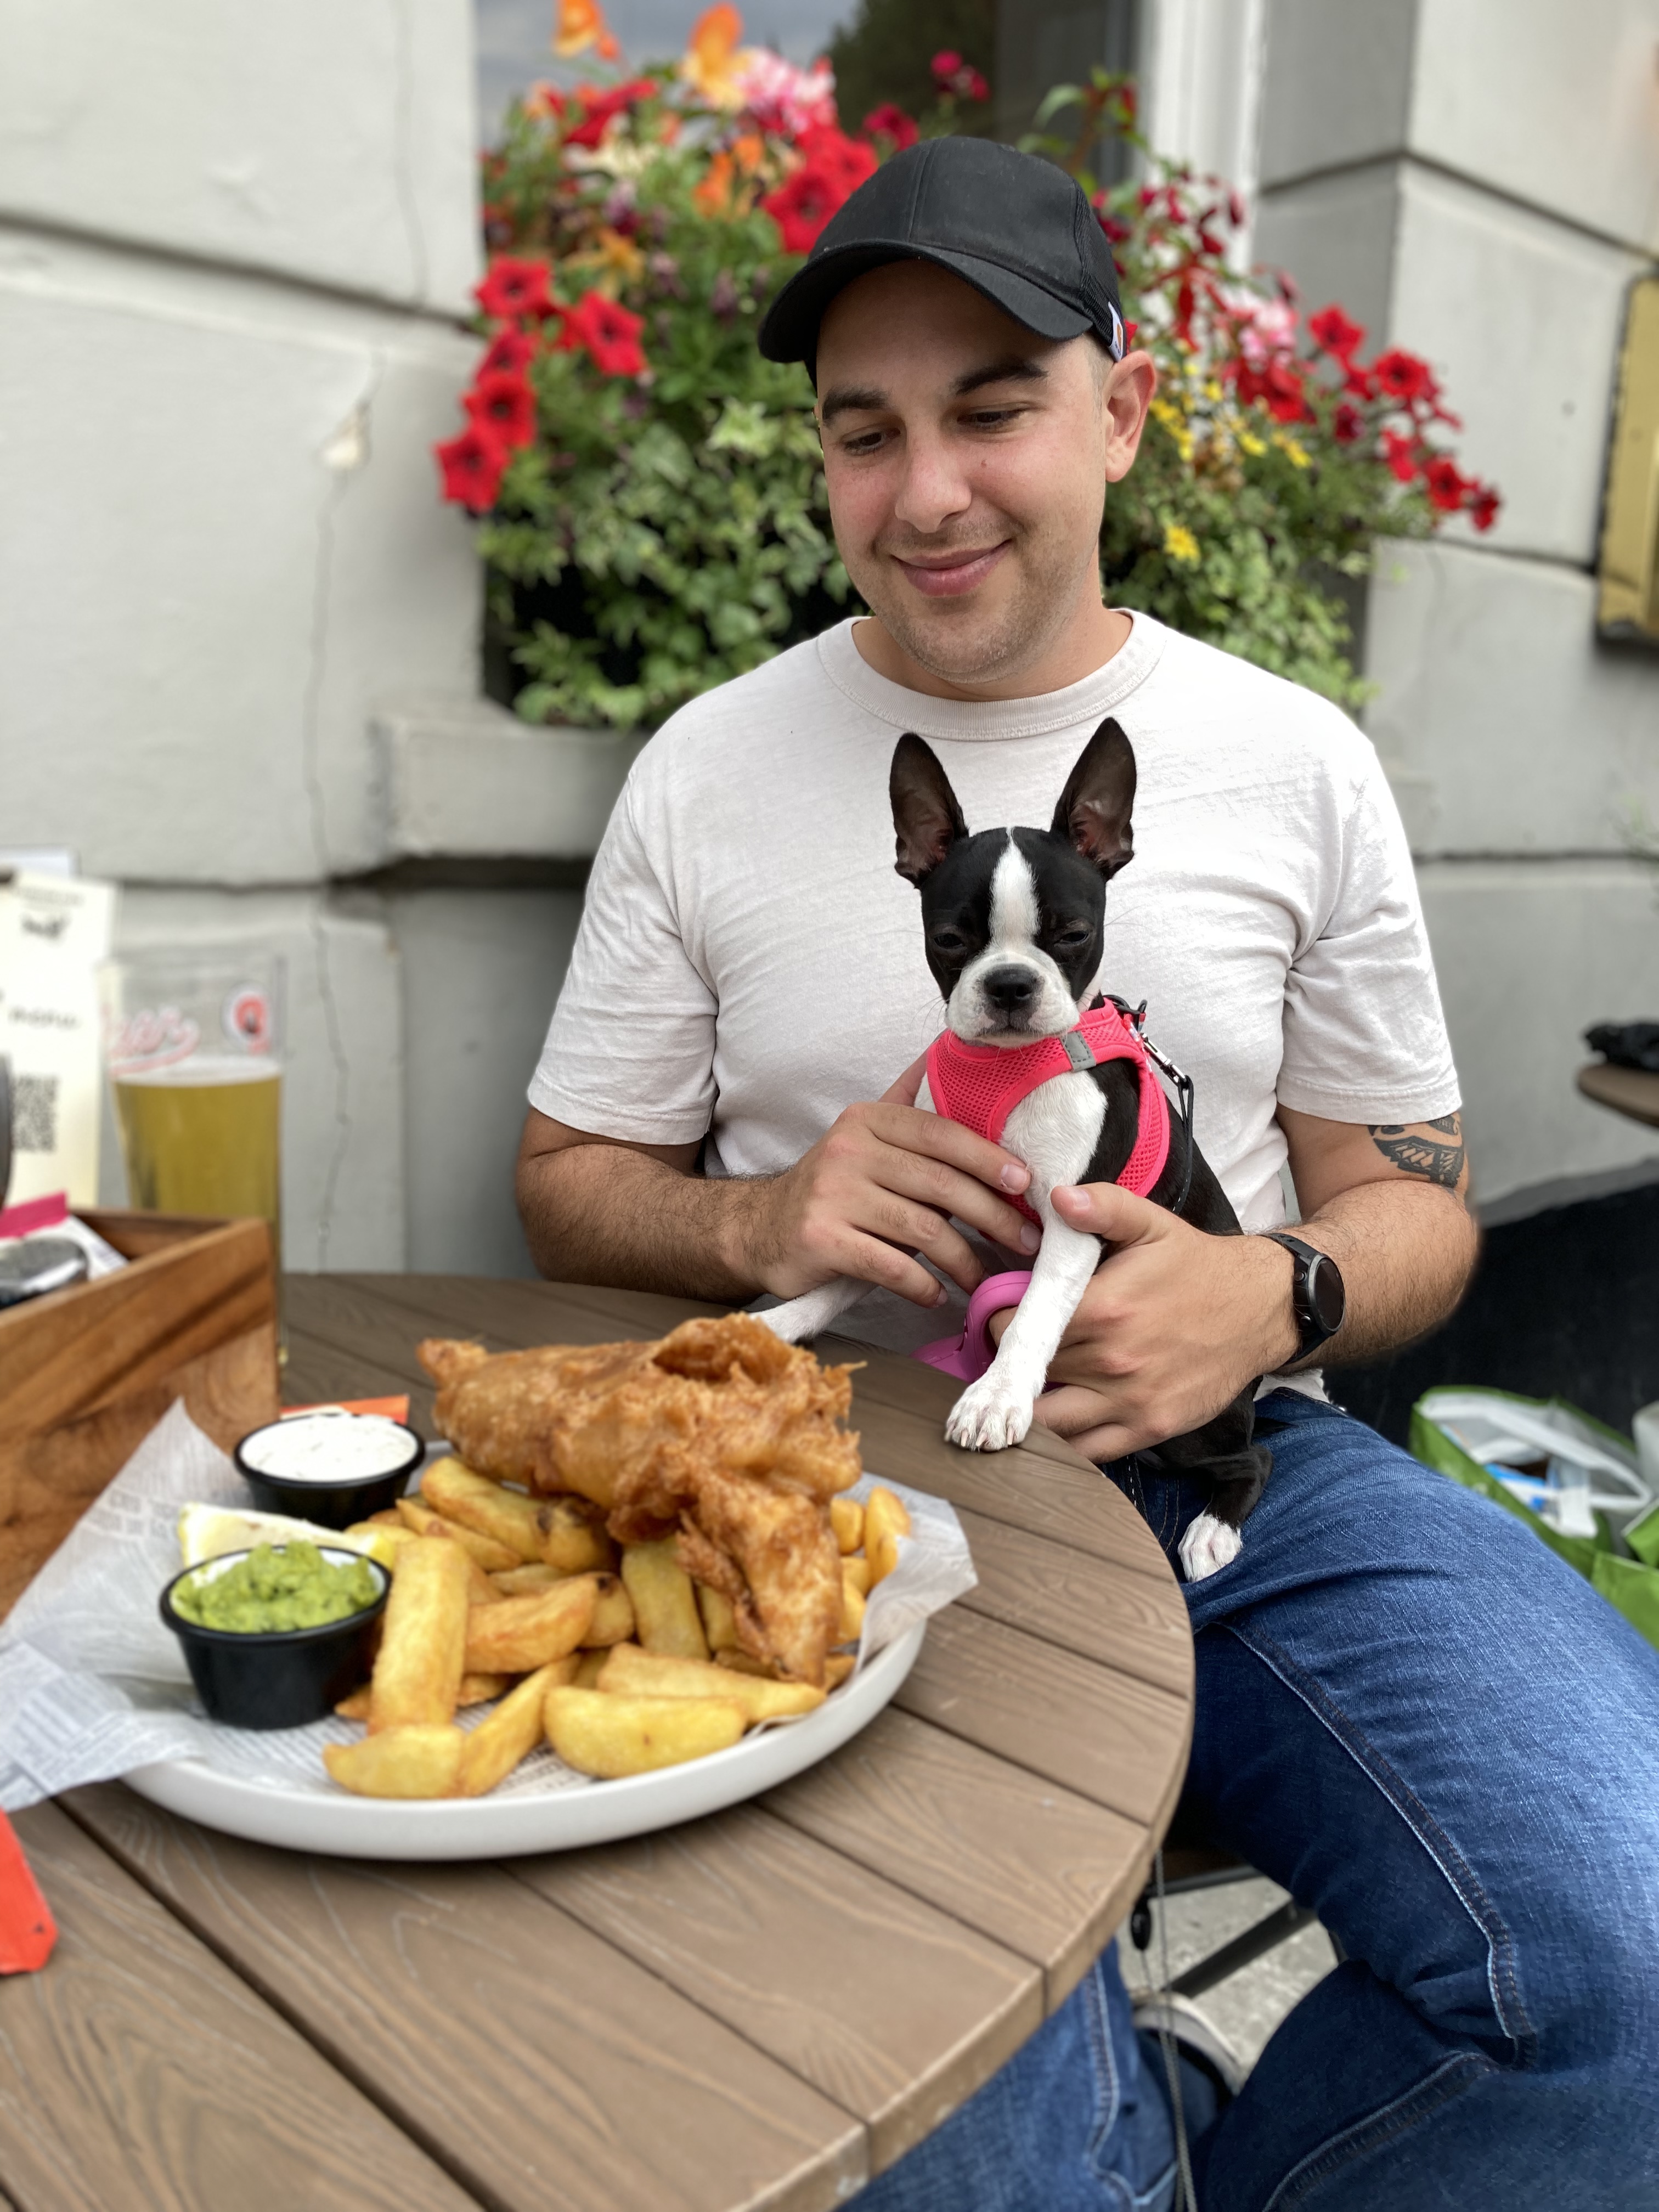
(1632, 1586)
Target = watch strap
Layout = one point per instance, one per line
(1311, 1332)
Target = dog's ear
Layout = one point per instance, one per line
(1096, 806)
(925, 810)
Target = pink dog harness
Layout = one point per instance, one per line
(980, 1085)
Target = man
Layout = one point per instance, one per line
(1408, 1711)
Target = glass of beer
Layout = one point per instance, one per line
(193, 1042)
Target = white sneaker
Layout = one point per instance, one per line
(1196, 2037)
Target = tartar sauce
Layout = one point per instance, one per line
(328, 1447)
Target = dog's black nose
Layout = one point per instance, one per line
(1011, 990)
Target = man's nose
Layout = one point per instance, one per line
(933, 488)
(1011, 990)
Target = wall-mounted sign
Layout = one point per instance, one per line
(1629, 604)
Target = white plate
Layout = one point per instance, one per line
(510, 1823)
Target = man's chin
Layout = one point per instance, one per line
(963, 641)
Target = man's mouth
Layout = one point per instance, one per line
(952, 574)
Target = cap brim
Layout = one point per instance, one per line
(790, 329)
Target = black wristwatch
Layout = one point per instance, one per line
(1317, 1293)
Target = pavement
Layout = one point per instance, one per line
(1248, 2006)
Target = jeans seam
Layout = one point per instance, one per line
(1099, 2028)
(1383, 2126)
(1454, 1868)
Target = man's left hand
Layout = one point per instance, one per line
(1169, 1330)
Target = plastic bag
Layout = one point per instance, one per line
(1446, 1423)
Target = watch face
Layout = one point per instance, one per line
(1326, 1296)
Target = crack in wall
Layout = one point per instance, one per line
(343, 455)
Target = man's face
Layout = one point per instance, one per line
(966, 462)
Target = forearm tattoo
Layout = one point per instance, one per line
(1439, 1157)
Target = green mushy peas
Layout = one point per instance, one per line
(276, 1587)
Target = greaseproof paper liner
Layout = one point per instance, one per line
(92, 1685)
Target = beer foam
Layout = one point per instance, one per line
(201, 1069)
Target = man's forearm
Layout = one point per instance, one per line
(604, 1214)
(1407, 1251)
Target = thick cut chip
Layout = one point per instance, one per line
(855, 1574)
(613, 1611)
(885, 1520)
(836, 1667)
(521, 1581)
(629, 1672)
(417, 1515)
(665, 1602)
(355, 1707)
(482, 1689)
(590, 1665)
(609, 1736)
(852, 1611)
(507, 1516)
(511, 1733)
(422, 1654)
(846, 1519)
(422, 1760)
(572, 1537)
(517, 1634)
(719, 1619)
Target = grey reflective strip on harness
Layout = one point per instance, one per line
(1077, 1050)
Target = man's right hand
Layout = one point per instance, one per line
(883, 1181)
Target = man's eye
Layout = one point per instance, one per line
(863, 441)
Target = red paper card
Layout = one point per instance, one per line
(395, 1409)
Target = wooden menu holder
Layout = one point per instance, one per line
(86, 1373)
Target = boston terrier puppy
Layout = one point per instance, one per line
(1014, 927)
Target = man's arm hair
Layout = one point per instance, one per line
(634, 1216)
(1386, 1201)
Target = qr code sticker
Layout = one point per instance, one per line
(34, 1113)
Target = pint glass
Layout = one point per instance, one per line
(193, 1045)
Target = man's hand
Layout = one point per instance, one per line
(882, 1181)
(1169, 1331)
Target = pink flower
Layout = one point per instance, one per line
(890, 121)
(956, 76)
(471, 467)
(781, 98)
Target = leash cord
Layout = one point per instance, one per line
(1186, 2195)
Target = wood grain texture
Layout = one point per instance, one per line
(1119, 1741)
(552, 2073)
(890, 2008)
(1131, 1622)
(318, 1373)
(1041, 1870)
(137, 2070)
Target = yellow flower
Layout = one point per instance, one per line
(1180, 544)
(1295, 454)
(1211, 391)
(1251, 443)
(619, 252)
(582, 24)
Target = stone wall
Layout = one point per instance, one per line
(1479, 180)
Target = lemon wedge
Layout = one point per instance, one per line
(205, 1531)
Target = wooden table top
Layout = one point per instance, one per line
(1631, 1091)
(759, 2009)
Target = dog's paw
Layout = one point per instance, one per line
(1208, 1545)
(990, 1415)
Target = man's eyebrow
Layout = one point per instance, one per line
(849, 399)
(1017, 368)
(866, 399)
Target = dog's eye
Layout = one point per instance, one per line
(1073, 936)
(950, 942)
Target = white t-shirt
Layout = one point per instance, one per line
(749, 964)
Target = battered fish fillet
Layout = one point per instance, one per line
(719, 1430)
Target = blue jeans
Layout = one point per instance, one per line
(1429, 1728)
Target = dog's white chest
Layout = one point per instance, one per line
(1055, 1130)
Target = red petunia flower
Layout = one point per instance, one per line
(600, 104)
(953, 74)
(849, 161)
(610, 333)
(512, 351)
(504, 400)
(1334, 333)
(1401, 455)
(945, 63)
(890, 121)
(1279, 388)
(1446, 484)
(1483, 504)
(514, 288)
(1403, 377)
(1358, 380)
(1348, 424)
(471, 467)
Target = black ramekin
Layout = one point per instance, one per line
(335, 1504)
(277, 1678)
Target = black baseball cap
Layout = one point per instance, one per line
(1015, 227)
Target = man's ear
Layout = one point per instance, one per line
(1095, 808)
(925, 810)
